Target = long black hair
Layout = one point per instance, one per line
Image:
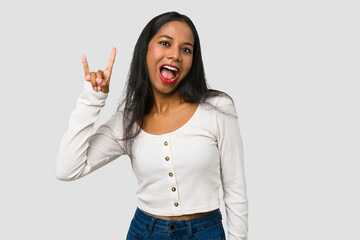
(139, 97)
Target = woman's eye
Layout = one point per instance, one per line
(164, 43)
(186, 50)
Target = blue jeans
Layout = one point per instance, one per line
(206, 227)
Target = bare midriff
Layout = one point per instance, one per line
(183, 217)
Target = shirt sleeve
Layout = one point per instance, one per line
(230, 145)
(81, 151)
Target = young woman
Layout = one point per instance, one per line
(182, 138)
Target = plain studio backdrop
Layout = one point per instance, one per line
(292, 68)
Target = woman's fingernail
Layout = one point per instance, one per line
(99, 88)
(98, 80)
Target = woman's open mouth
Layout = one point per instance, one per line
(169, 73)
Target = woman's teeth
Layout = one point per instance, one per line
(170, 68)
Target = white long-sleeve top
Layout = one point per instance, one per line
(178, 172)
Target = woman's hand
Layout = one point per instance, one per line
(100, 80)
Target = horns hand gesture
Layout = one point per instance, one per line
(100, 80)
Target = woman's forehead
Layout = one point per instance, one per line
(176, 29)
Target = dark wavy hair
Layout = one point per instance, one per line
(139, 97)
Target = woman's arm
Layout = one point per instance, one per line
(232, 171)
(82, 152)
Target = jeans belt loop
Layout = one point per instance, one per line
(151, 227)
(189, 228)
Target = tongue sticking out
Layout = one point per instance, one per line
(168, 74)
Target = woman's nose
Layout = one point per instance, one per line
(174, 54)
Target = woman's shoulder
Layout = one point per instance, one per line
(115, 121)
(223, 102)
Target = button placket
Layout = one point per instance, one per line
(167, 158)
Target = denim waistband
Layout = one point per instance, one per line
(162, 225)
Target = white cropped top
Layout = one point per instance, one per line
(178, 172)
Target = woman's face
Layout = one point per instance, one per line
(169, 56)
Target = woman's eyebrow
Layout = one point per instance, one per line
(186, 43)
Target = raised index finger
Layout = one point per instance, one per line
(111, 60)
(85, 64)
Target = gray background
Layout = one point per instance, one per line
(292, 68)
